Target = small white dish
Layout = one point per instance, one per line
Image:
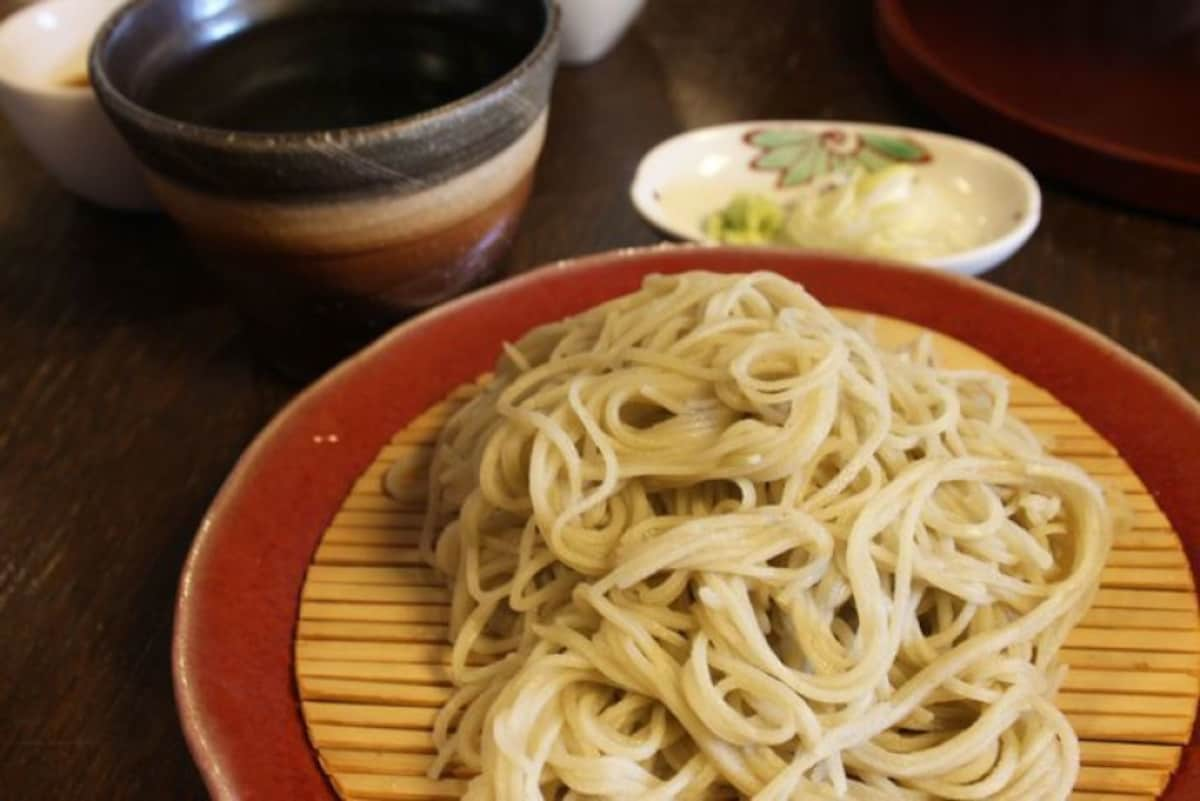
(45, 95)
(685, 179)
(591, 27)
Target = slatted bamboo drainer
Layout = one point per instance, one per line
(371, 643)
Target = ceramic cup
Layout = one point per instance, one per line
(592, 27)
(327, 237)
(45, 95)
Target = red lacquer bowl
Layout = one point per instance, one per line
(239, 594)
(1100, 93)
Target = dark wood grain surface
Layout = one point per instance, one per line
(128, 389)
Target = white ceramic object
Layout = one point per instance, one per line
(591, 27)
(683, 180)
(42, 47)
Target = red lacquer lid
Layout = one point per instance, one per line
(1104, 94)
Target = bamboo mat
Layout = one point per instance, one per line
(371, 644)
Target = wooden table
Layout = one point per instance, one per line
(127, 388)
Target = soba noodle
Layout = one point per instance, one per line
(707, 541)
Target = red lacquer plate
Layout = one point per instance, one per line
(239, 594)
(1100, 93)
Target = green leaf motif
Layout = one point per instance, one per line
(872, 160)
(821, 162)
(802, 171)
(781, 158)
(768, 140)
(896, 148)
(800, 156)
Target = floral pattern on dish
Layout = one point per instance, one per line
(799, 156)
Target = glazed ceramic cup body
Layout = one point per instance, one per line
(328, 237)
(45, 96)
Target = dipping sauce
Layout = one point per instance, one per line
(316, 72)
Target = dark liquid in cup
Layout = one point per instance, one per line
(317, 72)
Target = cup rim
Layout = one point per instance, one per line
(119, 104)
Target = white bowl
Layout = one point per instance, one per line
(591, 27)
(43, 47)
(683, 180)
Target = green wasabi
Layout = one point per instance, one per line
(746, 220)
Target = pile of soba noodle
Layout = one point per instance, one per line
(707, 542)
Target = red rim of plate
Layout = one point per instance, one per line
(239, 593)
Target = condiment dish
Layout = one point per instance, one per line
(992, 200)
(45, 95)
